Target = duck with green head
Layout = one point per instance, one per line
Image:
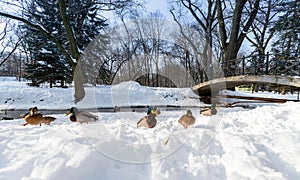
(149, 121)
(209, 111)
(81, 116)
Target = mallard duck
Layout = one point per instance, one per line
(149, 121)
(187, 119)
(81, 116)
(209, 111)
(35, 118)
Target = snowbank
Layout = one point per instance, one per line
(17, 95)
(237, 143)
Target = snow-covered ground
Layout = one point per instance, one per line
(17, 95)
(237, 143)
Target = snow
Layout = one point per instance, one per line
(18, 95)
(237, 143)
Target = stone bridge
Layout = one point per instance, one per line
(255, 69)
(209, 87)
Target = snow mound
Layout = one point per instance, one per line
(129, 85)
(18, 95)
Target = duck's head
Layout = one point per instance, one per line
(213, 106)
(73, 111)
(151, 109)
(31, 111)
(189, 112)
(35, 110)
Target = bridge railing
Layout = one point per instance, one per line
(268, 64)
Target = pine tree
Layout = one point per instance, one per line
(47, 58)
(287, 46)
(48, 69)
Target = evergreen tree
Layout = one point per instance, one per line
(86, 24)
(48, 69)
(287, 46)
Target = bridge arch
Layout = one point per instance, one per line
(205, 89)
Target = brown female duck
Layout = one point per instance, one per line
(187, 119)
(35, 118)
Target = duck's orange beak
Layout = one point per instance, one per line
(68, 113)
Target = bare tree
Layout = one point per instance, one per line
(233, 29)
(261, 35)
(204, 22)
(149, 31)
(8, 41)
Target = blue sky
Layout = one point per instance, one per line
(160, 5)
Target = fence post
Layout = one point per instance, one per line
(243, 64)
(298, 94)
(255, 65)
(276, 65)
(298, 68)
(267, 63)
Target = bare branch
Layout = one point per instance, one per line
(44, 32)
(182, 32)
(11, 52)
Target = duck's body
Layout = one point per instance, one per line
(209, 111)
(81, 116)
(35, 118)
(187, 119)
(149, 121)
(48, 119)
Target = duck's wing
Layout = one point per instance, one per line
(183, 118)
(214, 111)
(206, 113)
(143, 122)
(203, 110)
(152, 121)
(87, 114)
(152, 124)
(85, 117)
(191, 120)
(49, 118)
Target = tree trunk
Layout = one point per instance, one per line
(51, 83)
(78, 84)
(77, 71)
(62, 83)
(232, 41)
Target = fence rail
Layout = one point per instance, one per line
(268, 64)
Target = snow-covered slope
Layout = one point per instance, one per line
(237, 143)
(17, 95)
